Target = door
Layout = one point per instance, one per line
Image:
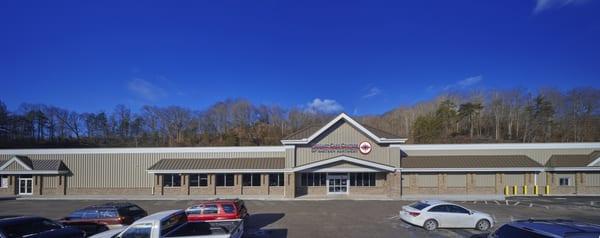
(25, 186)
(337, 183)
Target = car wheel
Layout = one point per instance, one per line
(482, 225)
(430, 225)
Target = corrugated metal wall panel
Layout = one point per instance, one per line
(539, 155)
(456, 180)
(51, 181)
(342, 133)
(427, 180)
(541, 179)
(514, 179)
(485, 180)
(405, 180)
(592, 179)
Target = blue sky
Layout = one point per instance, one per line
(362, 57)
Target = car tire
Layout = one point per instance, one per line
(483, 225)
(430, 225)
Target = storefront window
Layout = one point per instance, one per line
(198, 180)
(172, 180)
(225, 180)
(276, 179)
(313, 179)
(363, 179)
(251, 180)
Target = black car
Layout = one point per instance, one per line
(547, 229)
(36, 227)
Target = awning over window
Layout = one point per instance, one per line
(470, 163)
(225, 165)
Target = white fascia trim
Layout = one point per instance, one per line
(33, 172)
(530, 169)
(347, 159)
(15, 159)
(573, 169)
(507, 146)
(342, 170)
(218, 149)
(214, 171)
(596, 162)
(348, 119)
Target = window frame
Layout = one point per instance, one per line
(363, 179)
(172, 179)
(224, 180)
(200, 179)
(561, 179)
(4, 181)
(254, 179)
(277, 179)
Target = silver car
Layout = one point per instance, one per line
(433, 214)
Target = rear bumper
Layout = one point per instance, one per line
(115, 226)
(417, 221)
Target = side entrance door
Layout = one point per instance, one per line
(25, 186)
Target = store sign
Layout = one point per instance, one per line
(363, 148)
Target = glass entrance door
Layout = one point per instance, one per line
(25, 186)
(337, 183)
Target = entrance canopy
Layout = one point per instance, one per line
(344, 164)
(19, 164)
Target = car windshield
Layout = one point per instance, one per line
(419, 205)
(30, 228)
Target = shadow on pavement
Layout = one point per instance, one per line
(256, 223)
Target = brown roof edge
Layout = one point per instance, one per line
(470, 161)
(572, 160)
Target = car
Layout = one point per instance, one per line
(111, 215)
(174, 224)
(217, 210)
(433, 214)
(546, 229)
(36, 227)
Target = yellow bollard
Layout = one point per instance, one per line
(506, 190)
(515, 190)
(525, 189)
(547, 189)
(535, 190)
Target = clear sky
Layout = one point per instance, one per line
(362, 57)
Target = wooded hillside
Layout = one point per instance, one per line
(514, 115)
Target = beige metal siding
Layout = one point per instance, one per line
(342, 132)
(128, 170)
(427, 180)
(539, 155)
(513, 179)
(592, 179)
(14, 166)
(456, 180)
(485, 180)
(541, 179)
(405, 180)
(50, 181)
(290, 158)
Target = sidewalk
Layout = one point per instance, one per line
(468, 197)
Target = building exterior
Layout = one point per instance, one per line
(341, 157)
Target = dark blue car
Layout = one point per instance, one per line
(36, 227)
(547, 229)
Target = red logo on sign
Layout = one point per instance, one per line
(365, 147)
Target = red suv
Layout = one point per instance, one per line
(217, 210)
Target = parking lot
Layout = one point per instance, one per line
(342, 218)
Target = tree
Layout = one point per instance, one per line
(427, 129)
(469, 111)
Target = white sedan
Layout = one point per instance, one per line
(431, 214)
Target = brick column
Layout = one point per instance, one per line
(185, 184)
(395, 184)
(498, 184)
(237, 183)
(289, 185)
(36, 187)
(212, 183)
(158, 184)
(414, 188)
(470, 183)
(264, 184)
(442, 184)
(578, 183)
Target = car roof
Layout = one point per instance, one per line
(110, 205)
(18, 219)
(158, 216)
(219, 201)
(557, 227)
(434, 202)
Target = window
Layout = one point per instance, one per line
(564, 181)
(457, 209)
(138, 231)
(108, 213)
(313, 179)
(172, 180)
(225, 180)
(362, 179)
(210, 209)
(276, 179)
(228, 208)
(419, 205)
(252, 180)
(4, 181)
(30, 228)
(439, 208)
(198, 180)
